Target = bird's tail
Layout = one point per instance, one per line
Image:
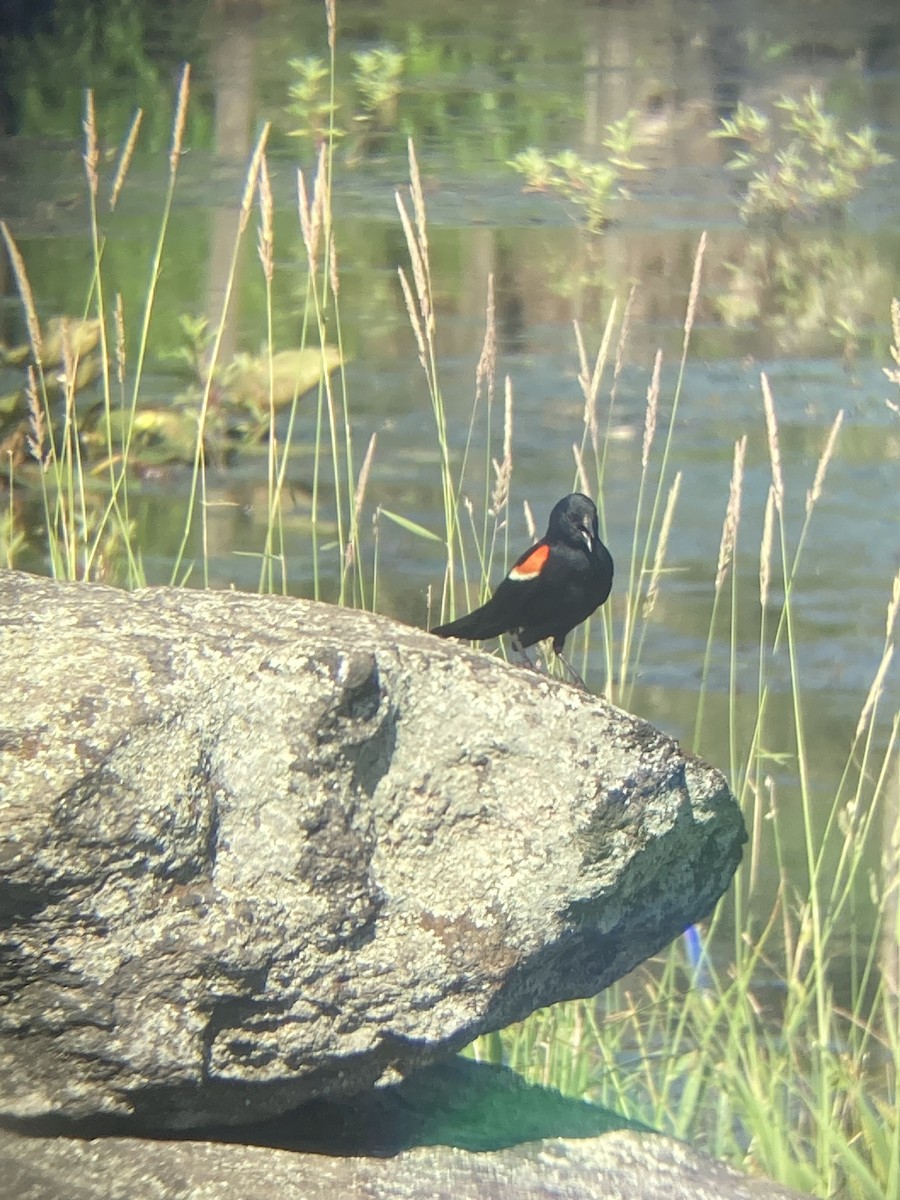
(476, 626)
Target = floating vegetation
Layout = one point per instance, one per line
(589, 186)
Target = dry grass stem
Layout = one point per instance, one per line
(305, 219)
(765, 548)
(265, 241)
(362, 481)
(812, 496)
(418, 199)
(652, 410)
(359, 496)
(25, 293)
(331, 18)
(662, 545)
(69, 363)
(580, 470)
(753, 858)
(503, 469)
(771, 793)
(311, 212)
(181, 104)
(892, 608)
(774, 444)
(35, 439)
(694, 294)
(893, 373)
(529, 521)
(584, 382)
(334, 279)
(590, 381)
(584, 374)
(486, 369)
(310, 223)
(91, 149)
(413, 315)
(622, 343)
(732, 513)
(875, 690)
(252, 181)
(418, 260)
(321, 210)
(120, 339)
(125, 159)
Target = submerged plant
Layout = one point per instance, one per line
(804, 164)
(590, 186)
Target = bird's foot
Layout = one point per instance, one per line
(573, 674)
(521, 655)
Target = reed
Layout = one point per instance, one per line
(759, 1061)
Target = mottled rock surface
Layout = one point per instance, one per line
(257, 850)
(459, 1130)
(619, 1166)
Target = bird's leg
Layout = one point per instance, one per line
(575, 677)
(521, 653)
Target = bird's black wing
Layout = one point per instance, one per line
(506, 610)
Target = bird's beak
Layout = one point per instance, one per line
(588, 534)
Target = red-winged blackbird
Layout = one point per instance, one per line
(553, 587)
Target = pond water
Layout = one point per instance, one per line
(483, 83)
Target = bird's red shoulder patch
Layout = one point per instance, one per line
(532, 564)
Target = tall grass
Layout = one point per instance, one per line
(759, 1060)
(756, 1059)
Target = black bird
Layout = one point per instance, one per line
(553, 587)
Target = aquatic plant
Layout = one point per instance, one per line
(371, 103)
(804, 164)
(247, 390)
(377, 77)
(589, 186)
(312, 105)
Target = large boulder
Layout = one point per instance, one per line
(620, 1166)
(422, 1139)
(255, 850)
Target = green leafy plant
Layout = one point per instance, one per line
(377, 84)
(803, 165)
(377, 76)
(312, 104)
(590, 186)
